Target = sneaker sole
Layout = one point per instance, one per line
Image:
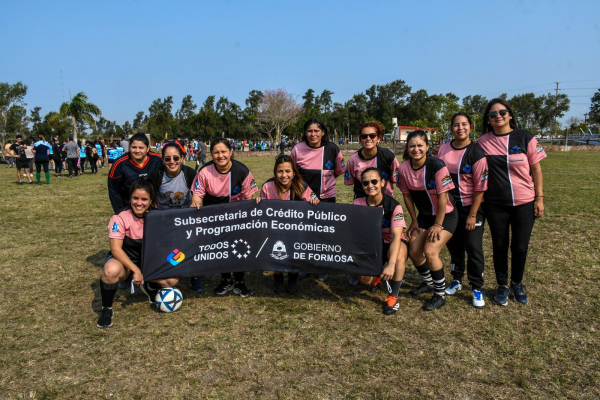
(501, 304)
(103, 327)
(223, 292)
(520, 302)
(479, 307)
(241, 294)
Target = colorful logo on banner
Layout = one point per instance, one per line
(176, 257)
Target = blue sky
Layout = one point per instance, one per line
(125, 54)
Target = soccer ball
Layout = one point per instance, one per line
(168, 299)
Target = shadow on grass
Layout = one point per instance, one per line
(97, 260)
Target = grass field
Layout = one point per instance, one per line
(328, 341)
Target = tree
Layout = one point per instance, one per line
(276, 111)
(161, 121)
(79, 110)
(35, 120)
(10, 96)
(595, 108)
(475, 107)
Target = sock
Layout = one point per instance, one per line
(226, 276)
(238, 277)
(278, 277)
(394, 287)
(107, 291)
(439, 282)
(425, 273)
(292, 277)
(37, 176)
(47, 177)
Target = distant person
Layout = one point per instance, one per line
(72, 156)
(91, 154)
(201, 158)
(125, 145)
(515, 195)
(30, 155)
(41, 150)
(18, 149)
(282, 147)
(9, 155)
(56, 154)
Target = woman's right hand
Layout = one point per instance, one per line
(258, 200)
(138, 278)
(414, 226)
(196, 202)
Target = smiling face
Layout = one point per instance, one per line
(500, 124)
(284, 174)
(140, 202)
(461, 128)
(221, 156)
(417, 148)
(371, 189)
(314, 135)
(172, 165)
(367, 140)
(138, 151)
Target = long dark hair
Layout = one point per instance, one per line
(174, 145)
(146, 184)
(486, 126)
(418, 133)
(321, 125)
(296, 188)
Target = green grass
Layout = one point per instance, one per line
(328, 341)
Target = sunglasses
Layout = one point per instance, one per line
(494, 114)
(168, 158)
(364, 136)
(372, 182)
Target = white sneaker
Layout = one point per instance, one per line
(454, 287)
(478, 301)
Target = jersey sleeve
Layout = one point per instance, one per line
(115, 189)
(293, 156)
(249, 186)
(401, 182)
(480, 175)
(398, 218)
(116, 228)
(308, 194)
(395, 167)
(263, 192)
(535, 152)
(340, 165)
(198, 186)
(443, 180)
(349, 174)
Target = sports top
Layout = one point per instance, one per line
(122, 175)
(129, 228)
(509, 158)
(468, 169)
(393, 215)
(216, 188)
(319, 167)
(384, 160)
(426, 183)
(269, 192)
(42, 149)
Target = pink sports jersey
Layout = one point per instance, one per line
(393, 216)
(384, 160)
(269, 192)
(126, 224)
(425, 184)
(214, 187)
(319, 167)
(509, 159)
(468, 169)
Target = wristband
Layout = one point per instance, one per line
(472, 216)
(438, 225)
(539, 196)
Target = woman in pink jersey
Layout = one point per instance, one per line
(124, 258)
(394, 242)
(287, 184)
(468, 168)
(425, 184)
(320, 162)
(515, 195)
(371, 156)
(224, 180)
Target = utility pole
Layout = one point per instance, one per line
(585, 116)
(556, 109)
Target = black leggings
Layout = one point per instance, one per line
(237, 276)
(72, 164)
(94, 165)
(58, 166)
(504, 220)
(471, 242)
(39, 163)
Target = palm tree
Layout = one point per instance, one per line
(79, 110)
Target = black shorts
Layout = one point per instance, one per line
(328, 200)
(449, 224)
(386, 249)
(110, 255)
(22, 164)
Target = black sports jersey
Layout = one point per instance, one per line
(122, 175)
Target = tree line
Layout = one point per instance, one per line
(222, 117)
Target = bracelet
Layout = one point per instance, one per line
(472, 216)
(539, 196)
(438, 225)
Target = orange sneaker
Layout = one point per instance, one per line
(391, 305)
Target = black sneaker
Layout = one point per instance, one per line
(224, 287)
(21, 183)
(501, 297)
(292, 286)
(434, 303)
(391, 305)
(105, 319)
(241, 289)
(423, 288)
(278, 286)
(150, 291)
(519, 293)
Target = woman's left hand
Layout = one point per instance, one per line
(538, 207)
(315, 201)
(433, 233)
(388, 271)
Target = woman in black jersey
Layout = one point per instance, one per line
(425, 184)
(126, 235)
(224, 180)
(394, 242)
(287, 184)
